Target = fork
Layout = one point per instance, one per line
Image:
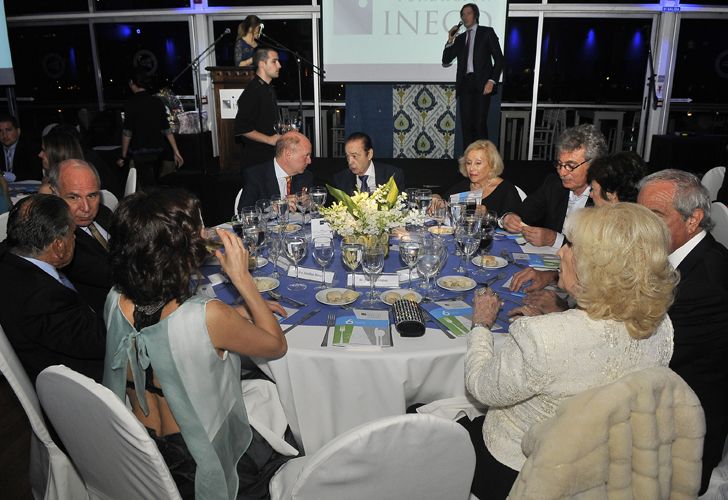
(330, 320)
(492, 280)
(509, 258)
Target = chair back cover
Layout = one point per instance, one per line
(131, 182)
(638, 437)
(406, 456)
(109, 199)
(4, 225)
(109, 446)
(52, 475)
(521, 193)
(719, 214)
(237, 201)
(712, 180)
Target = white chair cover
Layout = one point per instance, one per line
(406, 456)
(521, 193)
(712, 180)
(52, 475)
(237, 200)
(718, 486)
(719, 214)
(110, 447)
(131, 182)
(4, 225)
(109, 199)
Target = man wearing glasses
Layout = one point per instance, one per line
(542, 214)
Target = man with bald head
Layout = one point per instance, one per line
(284, 175)
(700, 311)
(77, 182)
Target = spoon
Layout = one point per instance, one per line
(277, 296)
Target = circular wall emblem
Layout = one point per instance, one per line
(721, 64)
(54, 65)
(146, 61)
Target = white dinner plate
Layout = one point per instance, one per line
(260, 262)
(265, 284)
(441, 230)
(330, 298)
(456, 283)
(290, 228)
(499, 262)
(391, 296)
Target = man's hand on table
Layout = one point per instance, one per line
(538, 236)
(540, 302)
(538, 279)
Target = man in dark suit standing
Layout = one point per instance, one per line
(284, 175)
(77, 182)
(19, 160)
(45, 319)
(542, 213)
(363, 174)
(700, 312)
(480, 63)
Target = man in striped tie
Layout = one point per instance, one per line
(363, 173)
(77, 182)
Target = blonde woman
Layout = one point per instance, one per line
(616, 268)
(247, 40)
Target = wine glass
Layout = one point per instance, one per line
(351, 255)
(427, 265)
(411, 198)
(250, 215)
(250, 241)
(318, 198)
(274, 251)
(323, 253)
(486, 240)
(456, 210)
(424, 199)
(409, 250)
(296, 250)
(372, 265)
(439, 214)
(238, 224)
(470, 244)
(264, 207)
(279, 211)
(303, 204)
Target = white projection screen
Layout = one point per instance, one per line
(7, 77)
(395, 40)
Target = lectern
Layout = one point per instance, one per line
(225, 80)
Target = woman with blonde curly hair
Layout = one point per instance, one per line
(615, 266)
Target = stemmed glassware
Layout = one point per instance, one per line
(411, 198)
(250, 241)
(372, 265)
(424, 199)
(250, 215)
(466, 230)
(303, 204)
(351, 255)
(238, 224)
(264, 207)
(296, 250)
(274, 251)
(318, 199)
(323, 253)
(439, 214)
(279, 211)
(409, 251)
(428, 264)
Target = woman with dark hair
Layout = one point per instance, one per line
(56, 147)
(167, 347)
(614, 177)
(248, 34)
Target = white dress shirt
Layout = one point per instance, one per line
(280, 177)
(679, 254)
(576, 203)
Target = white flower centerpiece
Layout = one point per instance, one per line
(369, 217)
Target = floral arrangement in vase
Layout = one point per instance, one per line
(370, 214)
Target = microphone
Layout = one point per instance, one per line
(455, 29)
(227, 31)
(260, 31)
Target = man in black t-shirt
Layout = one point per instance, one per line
(258, 111)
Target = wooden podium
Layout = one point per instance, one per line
(228, 78)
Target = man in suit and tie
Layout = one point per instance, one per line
(45, 319)
(543, 212)
(363, 174)
(77, 182)
(19, 160)
(480, 63)
(284, 175)
(700, 312)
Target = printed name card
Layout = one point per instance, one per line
(385, 280)
(306, 273)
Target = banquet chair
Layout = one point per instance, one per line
(719, 214)
(638, 437)
(111, 449)
(109, 199)
(131, 182)
(521, 193)
(52, 475)
(237, 200)
(405, 456)
(4, 225)
(712, 180)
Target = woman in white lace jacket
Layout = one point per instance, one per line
(615, 266)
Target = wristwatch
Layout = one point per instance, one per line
(500, 219)
(479, 324)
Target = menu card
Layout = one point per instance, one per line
(363, 327)
(548, 262)
(455, 315)
(467, 197)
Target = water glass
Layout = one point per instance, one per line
(296, 251)
(318, 198)
(323, 254)
(279, 210)
(428, 264)
(411, 198)
(409, 251)
(238, 224)
(372, 265)
(264, 207)
(351, 255)
(424, 199)
(303, 203)
(274, 251)
(250, 215)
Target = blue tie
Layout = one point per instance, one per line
(65, 281)
(364, 186)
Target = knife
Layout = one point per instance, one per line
(301, 320)
(437, 324)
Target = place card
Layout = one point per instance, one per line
(283, 263)
(404, 275)
(306, 273)
(363, 328)
(455, 315)
(385, 280)
(319, 227)
(216, 279)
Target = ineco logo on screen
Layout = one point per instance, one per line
(419, 22)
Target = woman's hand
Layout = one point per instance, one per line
(546, 301)
(274, 306)
(235, 259)
(538, 279)
(485, 307)
(437, 202)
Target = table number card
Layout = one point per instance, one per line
(467, 197)
(306, 273)
(320, 227)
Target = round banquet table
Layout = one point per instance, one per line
(326, 391)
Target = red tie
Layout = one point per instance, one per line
(288, 185)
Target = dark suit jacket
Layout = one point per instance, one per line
(546, 207)
(47, 323)
(348, 182)
(90, 270)
(700, 318)
(26, 164)
(487, 57)
(261, 183)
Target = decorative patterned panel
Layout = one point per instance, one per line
(424, 121)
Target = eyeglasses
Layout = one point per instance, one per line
(568, 166)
